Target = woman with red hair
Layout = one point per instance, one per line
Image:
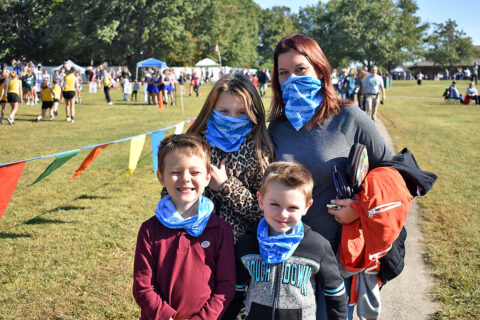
(310, 124)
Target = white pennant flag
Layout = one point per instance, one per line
(179, 128)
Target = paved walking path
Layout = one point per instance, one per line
(407, 296)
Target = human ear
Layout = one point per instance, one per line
(307, 206)
(208, 176)
(260, 200)
(160, 177)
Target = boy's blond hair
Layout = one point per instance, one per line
(188, 143)
(290, 174)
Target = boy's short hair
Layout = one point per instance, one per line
(190, 144)
(290, 174)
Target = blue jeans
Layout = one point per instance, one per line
(322, 305)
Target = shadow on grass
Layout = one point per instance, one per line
(66, 208)
(89, 197)
(5, 235)
(41, 220)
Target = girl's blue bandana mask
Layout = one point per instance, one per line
(167, 214)
(276, 249)
(301, 96)
(227, 133)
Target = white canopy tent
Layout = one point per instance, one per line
(207, 62)
(398, 70)
(70, 64)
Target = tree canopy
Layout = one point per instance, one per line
(450, 46)
(380, 32)
(181, 32)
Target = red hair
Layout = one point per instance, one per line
(310, 49)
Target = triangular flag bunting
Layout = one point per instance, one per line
(157, 138)
(89, 159)
(136, 146)
(9, 176)
(191, 123)
(179, 127)
(57, 163)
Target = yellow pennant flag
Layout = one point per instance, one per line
(136, 146)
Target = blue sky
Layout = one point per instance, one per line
(464, 12)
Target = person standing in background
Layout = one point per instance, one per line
(106, 81)
(71, 87)
(14, 95)
(475, 72)
(372, 85)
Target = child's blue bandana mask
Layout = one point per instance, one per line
(276, 249)
(167, 214)
(301, 96)
(227, 133)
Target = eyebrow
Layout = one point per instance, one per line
(297, 65)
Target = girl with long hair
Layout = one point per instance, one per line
(233, 122)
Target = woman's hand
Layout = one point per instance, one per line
(346, 214)
(219, 176)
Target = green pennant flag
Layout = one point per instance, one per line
(57, 163)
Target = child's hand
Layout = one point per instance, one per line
(346, 214)
(219, 176)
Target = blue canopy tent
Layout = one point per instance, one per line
(150, 62)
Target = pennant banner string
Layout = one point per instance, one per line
(93, 145)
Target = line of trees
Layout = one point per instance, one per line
(181, 32)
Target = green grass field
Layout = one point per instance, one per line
(444, 139)
(67, 247)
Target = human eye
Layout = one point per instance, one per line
(301, 70)
(274, 204)
(282, 72)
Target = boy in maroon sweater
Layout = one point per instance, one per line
(184, 261)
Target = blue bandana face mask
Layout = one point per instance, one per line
(167, 214)
(301, 96)
(276, 249)
(227, 133)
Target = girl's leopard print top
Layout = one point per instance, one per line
(236, 201)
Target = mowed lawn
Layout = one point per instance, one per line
(67, 247)
(445, 140)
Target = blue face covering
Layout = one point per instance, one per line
(227, 133)
(167, 214)
(301, 96)
(276, 249)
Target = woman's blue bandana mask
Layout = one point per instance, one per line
(227, 133)
(301, 96)
(167, 214)
(276, 249)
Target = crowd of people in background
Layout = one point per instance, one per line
(33, 84)
(30, 83)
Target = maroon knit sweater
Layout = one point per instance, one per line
(176, 275)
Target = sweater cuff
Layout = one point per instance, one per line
(167, 312)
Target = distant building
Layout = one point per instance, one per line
(430, 69)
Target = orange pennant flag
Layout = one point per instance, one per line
(191, 122)
(89, 159)
(9, 176)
